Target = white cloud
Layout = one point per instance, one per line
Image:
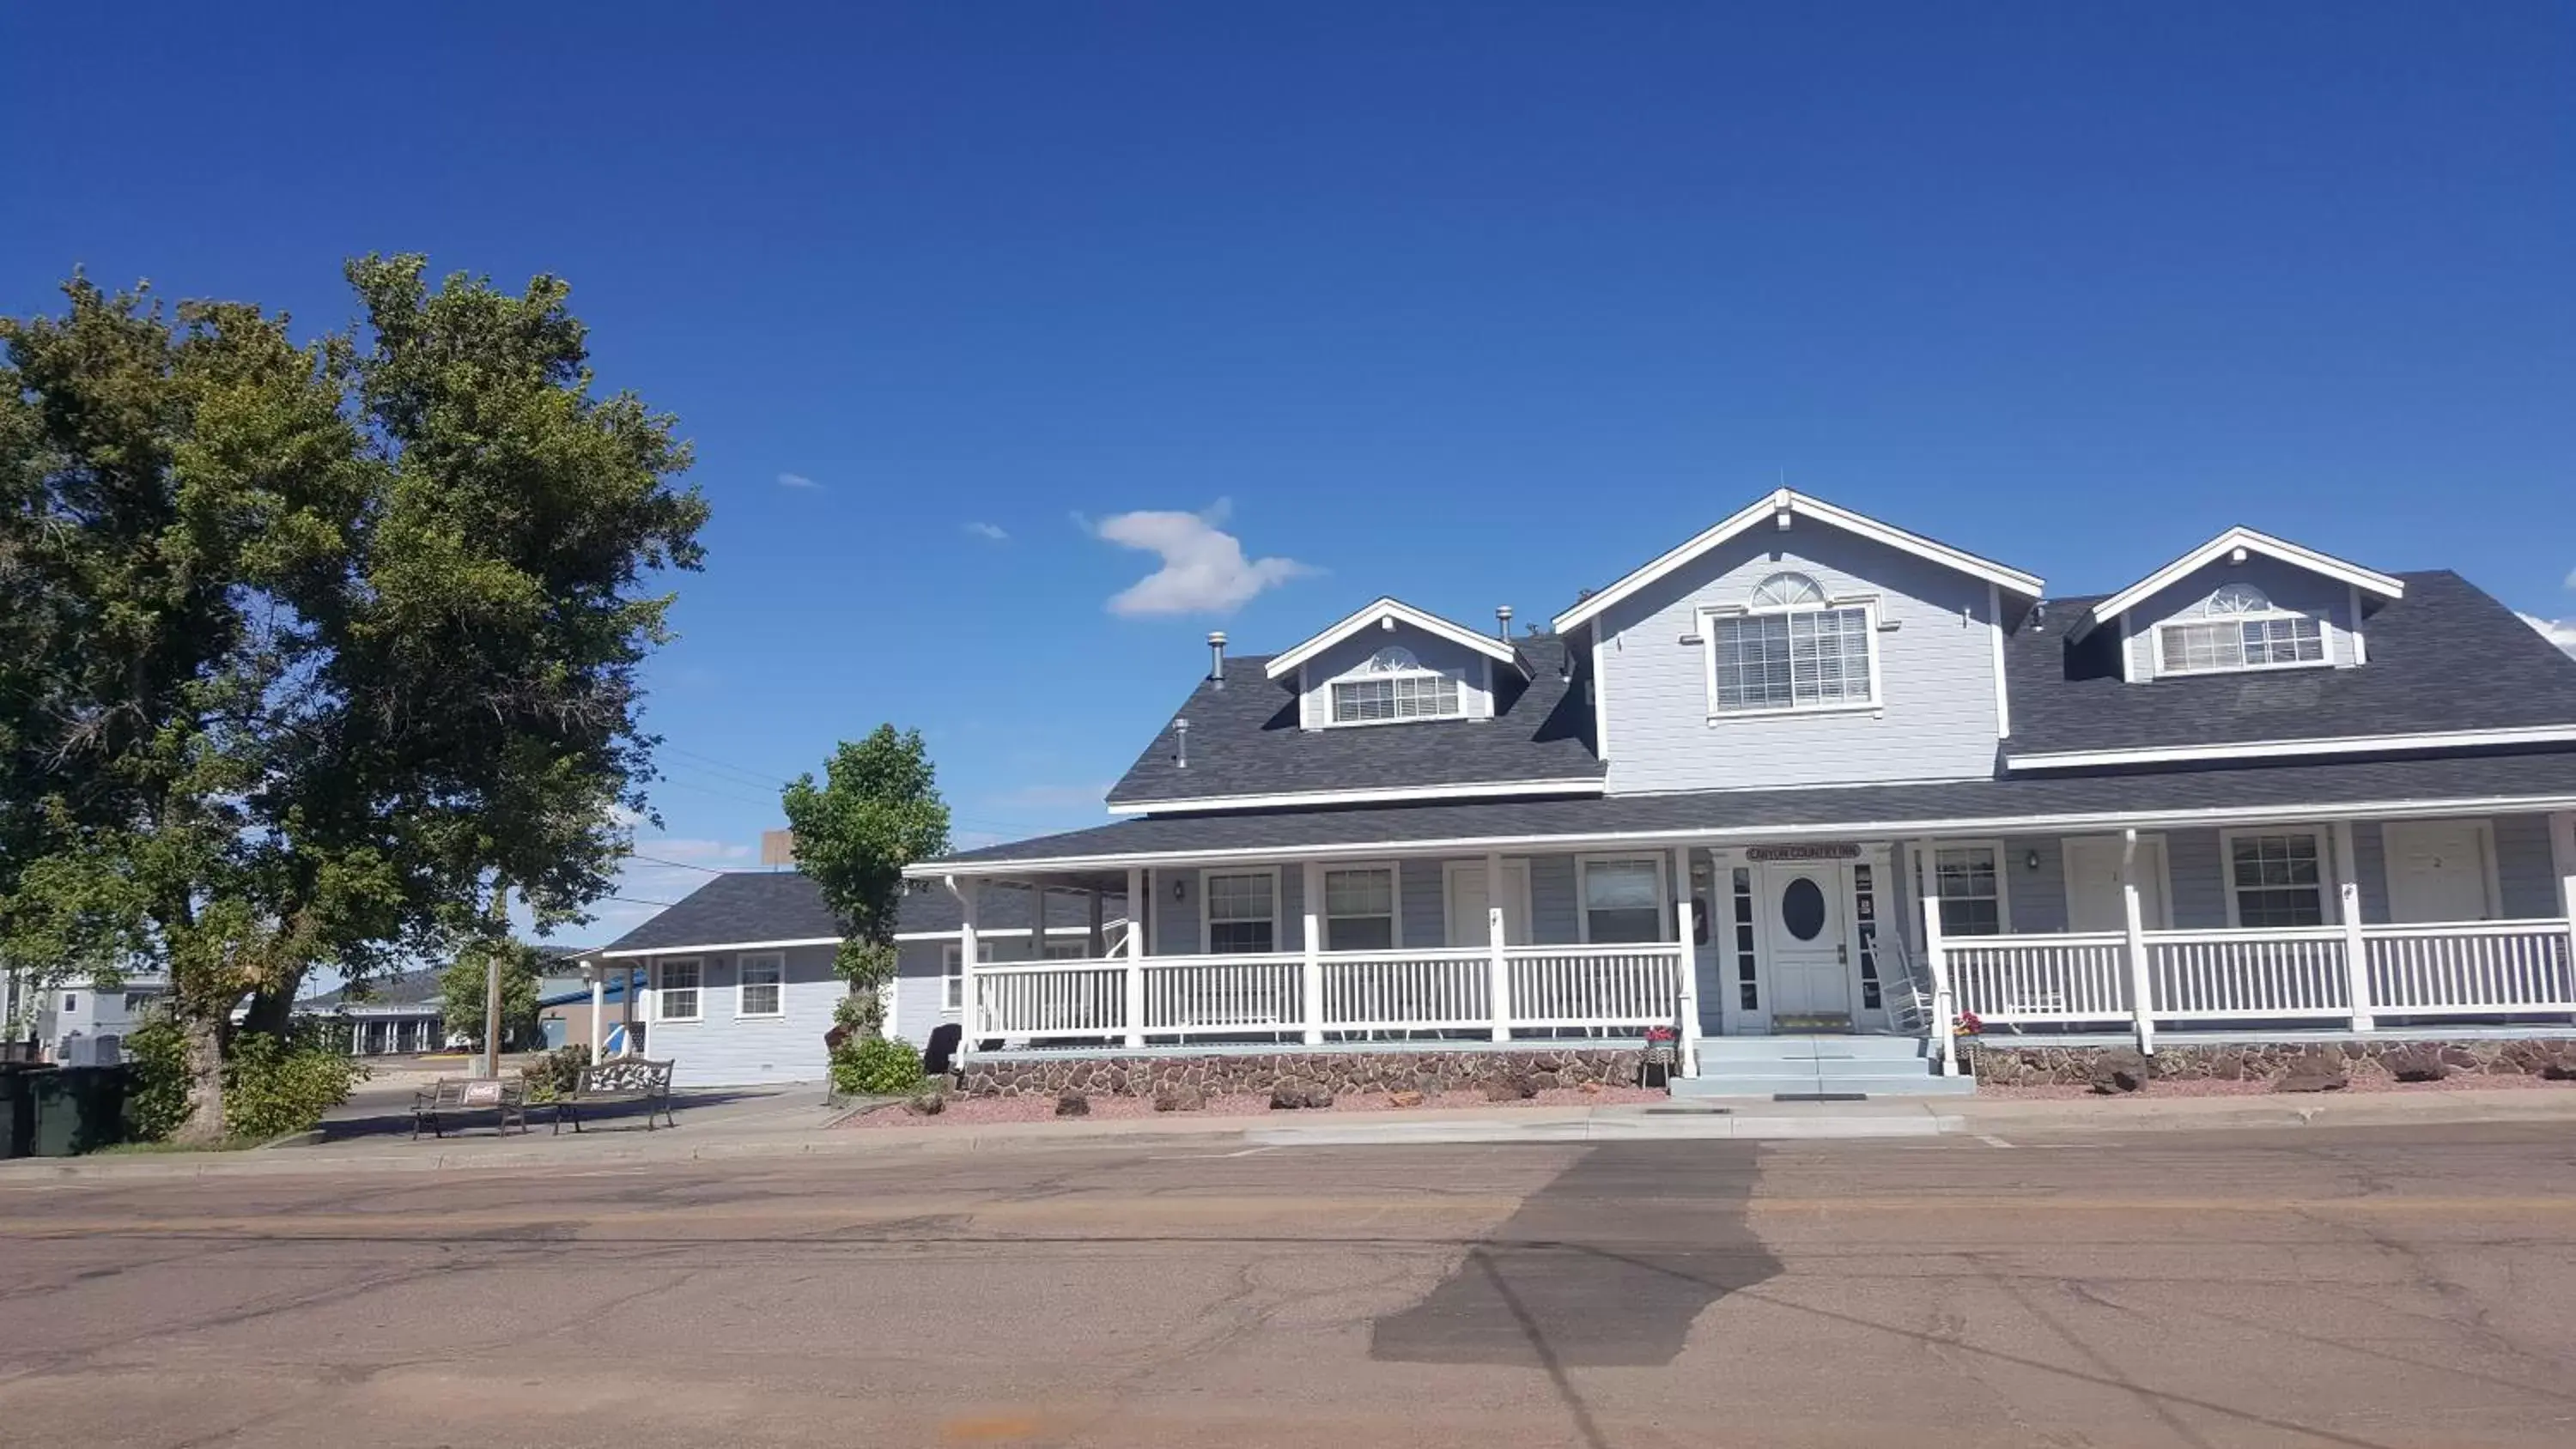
(1204, 570)
(2561, 632)
(992, 531)
(796, 480)
(2571, 578)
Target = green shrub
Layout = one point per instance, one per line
(876, 1066)
(552, 1075)
(273, 1087)
(156, 1092)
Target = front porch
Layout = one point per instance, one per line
(2356, 926)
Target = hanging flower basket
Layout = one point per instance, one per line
(1966, 1024)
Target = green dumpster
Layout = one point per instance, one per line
(17, 1109)
(78, 1109)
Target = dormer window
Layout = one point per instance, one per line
(2238, 629)
(1394, 685)
(1792, 648)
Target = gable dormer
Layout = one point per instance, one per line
(1391, 663)
(2243, 602)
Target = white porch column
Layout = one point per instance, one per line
(1686, 1031)
(967, 899)
(1310, 992)
(2142, 1005)
(1945, 1010)
(2562, 849)
(2356, 952)
(1099, 937)
(1499, 966)
(598, 1006)
(1137, 906)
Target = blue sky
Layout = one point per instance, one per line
(1469, 303)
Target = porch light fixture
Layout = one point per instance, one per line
(2030, 860)
(1180, 889)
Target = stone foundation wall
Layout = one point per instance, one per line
(1342, 1072)
(2023, 1065)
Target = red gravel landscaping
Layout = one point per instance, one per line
(985, 1111)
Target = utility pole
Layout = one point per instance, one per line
(500, 924)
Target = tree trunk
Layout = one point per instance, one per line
(205, 1122)
(271, 1012)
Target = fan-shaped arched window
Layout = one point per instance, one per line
(1783, 591)
(1394, 684)
(2239, 627)
(1791, 648)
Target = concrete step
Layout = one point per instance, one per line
(1810, 1048)
(1751, 1084)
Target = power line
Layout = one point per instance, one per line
(632, 901)
(681, 864)
(751, 776)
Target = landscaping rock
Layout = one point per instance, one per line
(2120, 1071)
(2423, 1064)
(1073, 1105)
(927, 1104)
(1180, 1099)
(1509, 1089)
(1404, 1099)
(2558, 1067)
(1290, 1096)
(2315, 1074)
(1318, 1096)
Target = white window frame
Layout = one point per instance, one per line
(1278, 912)
(1824, 603)
(1665, 923)
(2329, 876)
(952, 973)
(697, 989)
(2204, 616)
(2003, 878)
(1368, 672)
(742, 966)
(1394, 900)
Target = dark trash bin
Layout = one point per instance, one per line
(18, 1108)
(78, 1109)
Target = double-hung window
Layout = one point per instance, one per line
(1791, 648)
(677, 1000)
(1969, 882)
(1394, 685)
(1242, 912)
(1067, 950)
(2277, 878)
(1359, 909)
(759, 989)
(952, 973)
(2239, 628)
(1623, 900)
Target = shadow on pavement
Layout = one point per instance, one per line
(1608, 1265)
(389, 1116)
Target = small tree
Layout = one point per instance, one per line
(877, 811)
(462, 985)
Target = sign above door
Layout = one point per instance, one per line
(1827, 850)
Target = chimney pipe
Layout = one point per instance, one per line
(1216, 657)
(1180, 744)
(1503, 619)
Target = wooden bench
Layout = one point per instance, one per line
(619, 1079)
(456, 1096)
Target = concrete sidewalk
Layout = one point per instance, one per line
(752, 1135)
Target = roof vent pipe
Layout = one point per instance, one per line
(1180, 744)
(1503, 622)
(1216, 657)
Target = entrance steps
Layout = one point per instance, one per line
(1818, 1066)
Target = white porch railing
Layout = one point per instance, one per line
(2305, 973)
(1584, 986)
(1609, 988)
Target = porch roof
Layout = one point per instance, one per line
(2318, 790)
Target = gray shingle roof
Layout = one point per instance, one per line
(2445, 657)
(786, 906)
(2177, 792)
(1244, 740)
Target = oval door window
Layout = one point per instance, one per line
(1802, 908)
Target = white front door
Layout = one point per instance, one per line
(1810, 941)
(2093, 896)
(2437, 870)
(1468, 903)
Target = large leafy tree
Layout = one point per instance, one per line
(316, 653)
(877, 811)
